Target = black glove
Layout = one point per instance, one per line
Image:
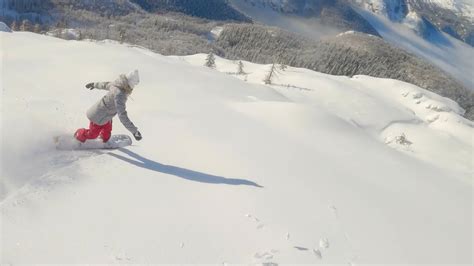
(90, 86)
(137, 136)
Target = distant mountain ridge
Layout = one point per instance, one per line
(333, 13)
(454, 17)
(427, 17)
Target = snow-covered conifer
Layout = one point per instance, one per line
(271, 74)
(240, 68)
(210, 60)
(14, 26)
(25, 25)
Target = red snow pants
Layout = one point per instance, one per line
(94, 131)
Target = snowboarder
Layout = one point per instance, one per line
(113, 103)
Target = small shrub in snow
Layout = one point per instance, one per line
(26, 25)
(14, 26)
(399, 139)
(122, 33)
(210, 60)
(402, 140)
(240, 68)
(37, 28)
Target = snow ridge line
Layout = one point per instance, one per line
(413, 121)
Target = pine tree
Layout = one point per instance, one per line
(14, 26)
(37, 28)
(25, 25)
(210, 60)
(272, 73)
(122, 35)
(240, 68)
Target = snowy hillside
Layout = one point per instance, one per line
(312, 169)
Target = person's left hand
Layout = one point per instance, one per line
(137, 136)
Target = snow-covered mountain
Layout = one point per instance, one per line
(309, 15)
(464, 8)
(426, 17)
(455, 17)
(395, 10)
(398, 9)
(309, 169)
(421, 38)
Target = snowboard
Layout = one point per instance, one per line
(71, 143)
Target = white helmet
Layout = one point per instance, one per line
(133, 78)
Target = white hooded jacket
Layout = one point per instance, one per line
(114, 102)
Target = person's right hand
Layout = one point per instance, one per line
(90, 86)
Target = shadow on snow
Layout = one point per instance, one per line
(180, 172)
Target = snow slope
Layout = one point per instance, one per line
(309, 170)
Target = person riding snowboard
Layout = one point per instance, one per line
(113, 103)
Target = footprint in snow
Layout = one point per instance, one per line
(334, 210)
(255, 219)
(118, 255)
(264, 255)
(317, 253)
(250, 216)
(417, 95)
(122, 258)
(324, 243)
